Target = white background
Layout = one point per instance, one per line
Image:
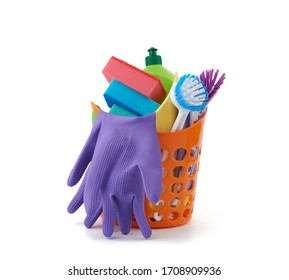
(51, 57)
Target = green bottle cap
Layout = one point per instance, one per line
(153, 58)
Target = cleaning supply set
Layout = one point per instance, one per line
(140, 162)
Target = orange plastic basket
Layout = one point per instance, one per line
(180, 171)
(182, 150)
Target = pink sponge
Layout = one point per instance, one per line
(134, 78)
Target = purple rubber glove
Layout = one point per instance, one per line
(125, 163)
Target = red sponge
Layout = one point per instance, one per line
(134, 78)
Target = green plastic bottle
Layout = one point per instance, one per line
(155, 68)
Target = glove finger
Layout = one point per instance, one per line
(124, 214)
(152, 182)
(139, 213)
(77, 200)
(90, 220)
(86, 154)
(92, 196)
(149, 160)
(109, 218)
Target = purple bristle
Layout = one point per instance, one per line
(209, 78)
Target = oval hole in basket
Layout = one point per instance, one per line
(188, 200)
(173, 216)
(175, 202)
(178, 171)
(186, 213)
(190, 185)
(177, 187)
(156, 217)
(192, 169)
(158, 205)
(194, 152)
(180, 154)
(164, 154)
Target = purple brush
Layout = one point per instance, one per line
(209, 78)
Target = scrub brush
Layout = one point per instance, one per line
(209, 79)
(188, 94)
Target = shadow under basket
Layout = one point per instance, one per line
(181, 152)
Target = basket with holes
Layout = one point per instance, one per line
(182, 150)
